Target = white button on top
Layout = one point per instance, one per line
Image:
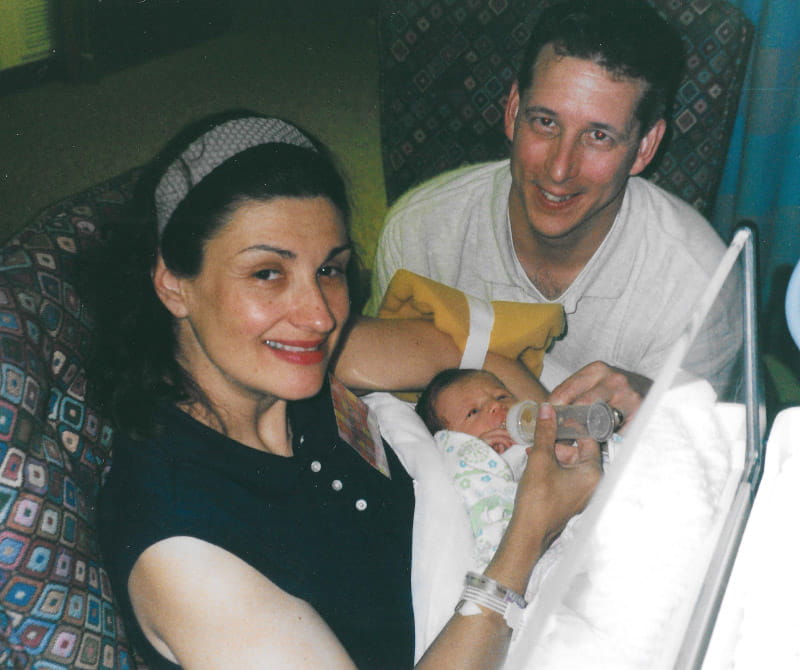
(316, 466)
(336, 484)
(361, 504)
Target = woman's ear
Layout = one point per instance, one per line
(169, 289)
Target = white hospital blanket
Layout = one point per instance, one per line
(623, 597)
(757, 622)
(443, 543)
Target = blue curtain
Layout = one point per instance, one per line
(762, 176)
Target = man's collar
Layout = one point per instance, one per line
(620, 242)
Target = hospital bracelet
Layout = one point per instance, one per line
(485, 591)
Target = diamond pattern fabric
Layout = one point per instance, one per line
(447, 65)
(56, 606)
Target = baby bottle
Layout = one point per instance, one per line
(573, 422)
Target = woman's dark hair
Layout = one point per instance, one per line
(626, 37)
(427, 399)
(134, 366)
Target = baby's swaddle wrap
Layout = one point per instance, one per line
(487, 484)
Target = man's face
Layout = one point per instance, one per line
(575, 142)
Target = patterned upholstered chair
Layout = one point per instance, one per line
(56, 607)
(446, 68)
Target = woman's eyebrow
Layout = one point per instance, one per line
(284, 253)
(338, 250)
(287, 253)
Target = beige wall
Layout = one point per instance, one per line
(318, 70)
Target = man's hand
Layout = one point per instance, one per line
(597, 381)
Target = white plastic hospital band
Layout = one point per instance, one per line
(486, 592)
(481, 321)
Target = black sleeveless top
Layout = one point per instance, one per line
(323, 525)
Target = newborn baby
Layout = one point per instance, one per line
(466, 412)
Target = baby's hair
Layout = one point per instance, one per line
(426, 405)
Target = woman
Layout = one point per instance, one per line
(239, 528)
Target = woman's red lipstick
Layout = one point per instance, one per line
(300, 353)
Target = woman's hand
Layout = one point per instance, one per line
(559, 479)
(556, 484)
(553, 488)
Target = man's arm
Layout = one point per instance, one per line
(711, 356)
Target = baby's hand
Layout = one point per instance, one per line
(498, 439)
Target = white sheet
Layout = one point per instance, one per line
(624, 605)
(623, 593)
(443, 542)
(757, 622)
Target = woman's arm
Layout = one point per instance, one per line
(393, 354)
(405, 354)
(549, 494)
(202, 607)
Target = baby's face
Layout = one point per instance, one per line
(474, 405)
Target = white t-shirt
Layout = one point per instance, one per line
(626, 307)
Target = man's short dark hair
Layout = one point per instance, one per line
(628, 38)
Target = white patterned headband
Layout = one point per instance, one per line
(212, 149)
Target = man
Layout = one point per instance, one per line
(566, 219)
